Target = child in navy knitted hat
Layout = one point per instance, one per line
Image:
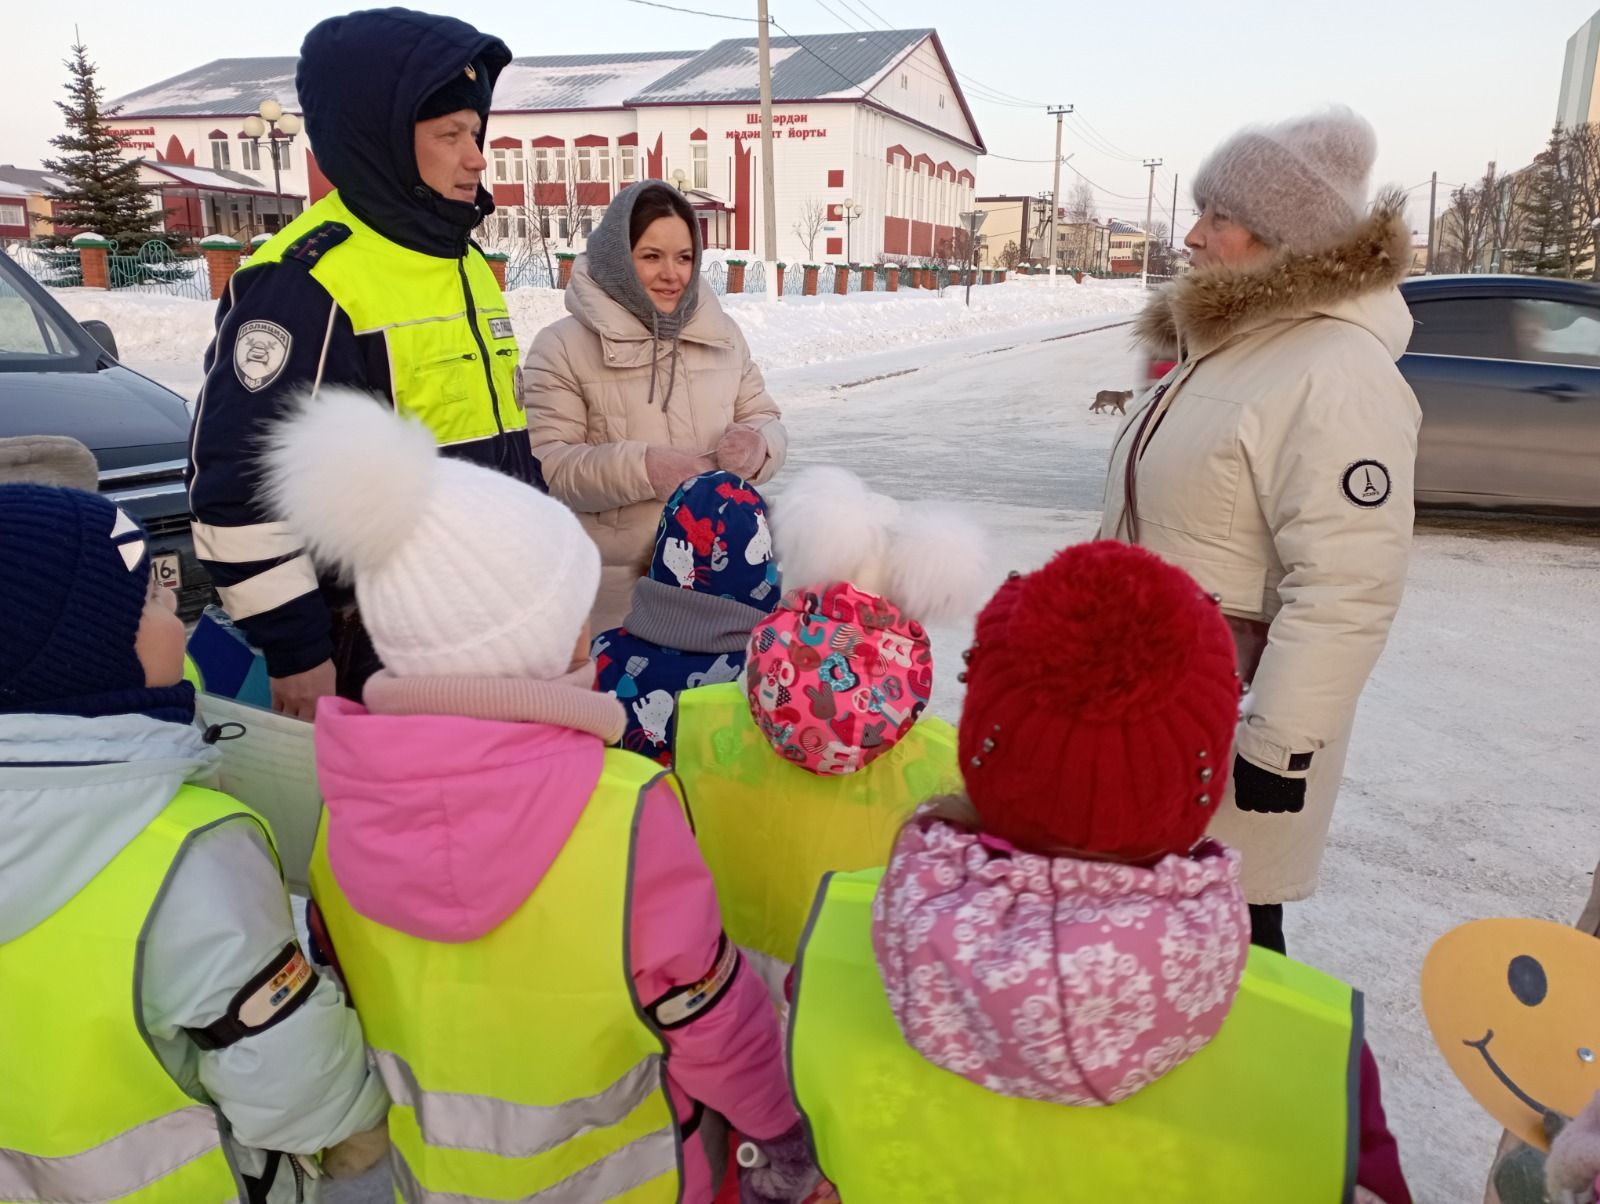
(712, 578)
(122, 875)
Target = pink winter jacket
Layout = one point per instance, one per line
(441, 826)
(1051, 978)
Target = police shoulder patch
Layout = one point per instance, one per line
(1366, 484)
(260, 352)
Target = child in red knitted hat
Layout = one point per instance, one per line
(1065, 934)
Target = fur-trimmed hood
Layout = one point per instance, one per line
(1199, 312)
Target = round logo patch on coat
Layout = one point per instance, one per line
(1366, 484)
(259, 354)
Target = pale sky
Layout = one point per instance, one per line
(1449, 84)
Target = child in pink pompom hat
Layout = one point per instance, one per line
(827, 732)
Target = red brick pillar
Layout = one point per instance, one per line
(810, 289)
(736, 275)
(869, 280)
(781, 268)
(1000, 276)
(841, 278)
(565, 259)
(94, 255)
(222, 261)
(892, 275)
(497, 265)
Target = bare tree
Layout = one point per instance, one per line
(1578, 197)
(1011, 255)
(813, 216)
(1468, 228)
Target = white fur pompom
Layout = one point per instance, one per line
(350, 477)
(827, 526)
(937, 563)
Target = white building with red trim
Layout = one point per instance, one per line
(876, 118)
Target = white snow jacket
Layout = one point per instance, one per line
(1275, 463)
(299, 1086)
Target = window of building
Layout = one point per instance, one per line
(541, 164)
(12, 215)
(586, 227)
(603, 162)
(250, 155)
(894, 189)
(941, 100)
(700, 153)
(905, 81)
(836, 179)
(280, 154)
(219, 154)
(628, 164)
(544, 226)
(509, 166)
(563, 227)
(585, 163)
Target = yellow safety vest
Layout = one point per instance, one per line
(87, 1110)
(520, 1064)
(1265, 1112)
(770, 830)
(453, 360)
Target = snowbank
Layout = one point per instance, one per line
(154, 332)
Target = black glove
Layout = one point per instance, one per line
(1261, 790)
(788, 1173)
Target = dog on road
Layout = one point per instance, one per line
(1109, 399)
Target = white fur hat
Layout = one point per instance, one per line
(1300, 184)
(459, 571)
(929, 559)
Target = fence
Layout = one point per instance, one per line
(153, 269)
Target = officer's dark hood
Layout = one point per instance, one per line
(361, 80)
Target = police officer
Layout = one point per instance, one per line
(378, 286)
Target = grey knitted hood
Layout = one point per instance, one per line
(610, 257)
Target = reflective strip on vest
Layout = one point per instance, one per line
(613, 1176)
(766, 861)
(455, 1120)
(520, 1062)
(1267, 1111)
(458, 375)
(88, 1113)
(116, 1168)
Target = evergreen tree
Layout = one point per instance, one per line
(1543, 250)
(100, 189)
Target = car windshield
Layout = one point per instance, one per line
(26, 331)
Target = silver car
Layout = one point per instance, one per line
(1507, 369)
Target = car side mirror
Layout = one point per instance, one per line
(101, 333)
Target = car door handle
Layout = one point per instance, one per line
(1557, 392)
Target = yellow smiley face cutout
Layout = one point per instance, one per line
(1514, 1006)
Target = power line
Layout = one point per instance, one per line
(1104, 139)
(696, 12)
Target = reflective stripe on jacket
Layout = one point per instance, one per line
(520, 1063)
(88, 1112)
(1266, 1111)
(769, 830)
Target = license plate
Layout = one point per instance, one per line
(166, 570)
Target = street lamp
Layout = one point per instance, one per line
(851, 212)
(681, 179)
(972, 220)
(283, 125)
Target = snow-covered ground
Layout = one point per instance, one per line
(159, 334)
(1470, 787)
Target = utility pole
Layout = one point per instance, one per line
(1433, 201)
(1149, 210)
(769, 213)
(1059, 112)
(1172, 234)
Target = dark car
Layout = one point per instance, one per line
(1507, 369)
(58, 377)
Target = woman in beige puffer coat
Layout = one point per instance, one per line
(646, 384)
(1276, 464)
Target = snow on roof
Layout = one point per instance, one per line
(15, 180)
(221, 88)
(810, 67)
(580, 81)
(213, 180)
